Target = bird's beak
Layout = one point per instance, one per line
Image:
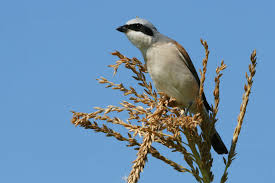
(122, 29)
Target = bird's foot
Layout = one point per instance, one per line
(187, 108)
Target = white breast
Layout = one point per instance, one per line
(170, 74)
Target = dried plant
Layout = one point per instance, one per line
(156, 119)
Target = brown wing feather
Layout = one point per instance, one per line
(191, 67)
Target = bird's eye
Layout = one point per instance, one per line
(135, 27)
(138, 25)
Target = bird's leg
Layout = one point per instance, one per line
(187, 108)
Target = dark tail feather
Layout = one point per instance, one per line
(218, 144)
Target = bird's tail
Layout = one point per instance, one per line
(218, 144)
(216, 140)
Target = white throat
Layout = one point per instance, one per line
(140, 40)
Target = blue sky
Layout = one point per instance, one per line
(51, 53)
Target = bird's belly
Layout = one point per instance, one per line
(176, 80)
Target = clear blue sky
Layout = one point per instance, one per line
(52, 51)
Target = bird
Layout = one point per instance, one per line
(170, 68)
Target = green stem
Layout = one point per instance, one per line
(204, 172)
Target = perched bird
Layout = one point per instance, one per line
(170, 68)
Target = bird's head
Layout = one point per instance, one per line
(140, 32)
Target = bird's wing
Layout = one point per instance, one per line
(186, 59)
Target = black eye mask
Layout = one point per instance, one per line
(140, 28)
